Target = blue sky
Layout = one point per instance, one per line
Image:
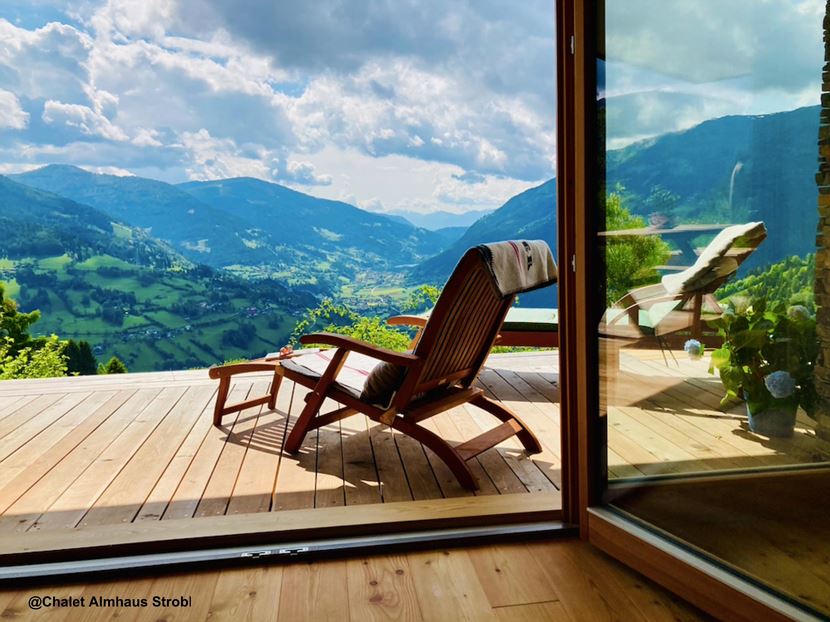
(387, 104)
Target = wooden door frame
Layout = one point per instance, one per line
(580, 173)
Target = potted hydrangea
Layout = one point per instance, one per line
(767, 359)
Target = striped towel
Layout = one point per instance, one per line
(520, 265)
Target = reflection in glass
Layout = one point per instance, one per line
(709, 342)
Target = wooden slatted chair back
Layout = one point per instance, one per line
(461, 329)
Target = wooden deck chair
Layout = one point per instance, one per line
(679, 301)
(403, 389)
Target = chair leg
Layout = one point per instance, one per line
(313, 402)
(295, 438)
(527, 438)
(275, 387)
(221, 398)
(441, 448)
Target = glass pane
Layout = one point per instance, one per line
(708, 342)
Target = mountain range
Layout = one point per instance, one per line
(440, 219)
(529, 215)
(252, 227)
(102, 280)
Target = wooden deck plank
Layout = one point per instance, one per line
(296, 476)
(666, 420)
(660, 446)
(26, 412)
(361, 477)
(25, 511)
(329, 487)
(445, 426)
(255, 484)
(394, 485)
(185, 499)
(492, 461)
(711, 449)
(12, 403)
(129, 490)
(419, 474)
(450, 488)
(35, 426)
(70, 508)
(540, 416)
(220, 486)
(162, 493)
(24, 468)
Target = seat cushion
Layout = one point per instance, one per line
(362, 376)
(523, 319)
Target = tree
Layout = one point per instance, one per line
(14, 324)
(630, 261)
(45, 361)
(422, 298)
(329, 317)
(113, 366)
(80, 359)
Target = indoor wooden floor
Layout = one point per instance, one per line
(561, 581)
(103, 450)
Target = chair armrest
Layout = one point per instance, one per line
(361, 347)
(221, 371)
(407, 320)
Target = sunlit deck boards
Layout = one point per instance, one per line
(141, 447)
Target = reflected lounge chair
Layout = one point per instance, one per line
(676, 304)
(403, 389)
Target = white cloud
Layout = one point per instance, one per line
(83, 118)
(305, 173)
(109, 170)
(12, 116)
(393, 106)
(217, 158)
(395, 182)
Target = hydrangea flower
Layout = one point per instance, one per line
(798, 313)
(780, 384)
(694, 349)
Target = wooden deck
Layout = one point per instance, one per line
(118, 449)
(80, 452)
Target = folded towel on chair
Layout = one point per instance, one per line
(520, 265)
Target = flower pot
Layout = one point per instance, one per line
(776, 420)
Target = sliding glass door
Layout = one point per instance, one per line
(710, 379)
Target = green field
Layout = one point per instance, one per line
(162, 319)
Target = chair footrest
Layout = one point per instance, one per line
(491, 438)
